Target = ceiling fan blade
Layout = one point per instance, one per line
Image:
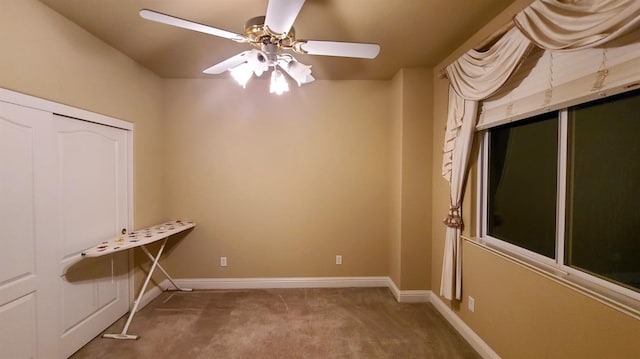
(227, 64)
(281, 14)
(344, 49)
(189, 25)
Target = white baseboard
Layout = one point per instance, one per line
(295, 282)
(402, 296)
(461, 327)
(409, 296)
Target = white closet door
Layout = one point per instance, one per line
(27, 235)
(93, 198)
(64, 186)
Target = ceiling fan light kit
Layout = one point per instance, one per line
(271, 36)
(299, 72)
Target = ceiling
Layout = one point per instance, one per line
(411, 33)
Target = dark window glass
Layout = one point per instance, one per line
(522, 187)
(603, 189)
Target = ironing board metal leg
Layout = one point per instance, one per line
(144, 249)
(123, 334)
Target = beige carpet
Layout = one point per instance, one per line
(283, 323)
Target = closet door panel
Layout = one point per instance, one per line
(28, 233)
(93, 192)
(17, 259)
(89, 193)
(18, 332)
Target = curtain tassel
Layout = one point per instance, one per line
(453, 220)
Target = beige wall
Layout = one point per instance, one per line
(522, 314)
(279, 184)
(519, 313)
(46, 56)
(411, 153)
(395, 228)
(417, 102)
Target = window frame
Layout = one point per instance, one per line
(556, 264)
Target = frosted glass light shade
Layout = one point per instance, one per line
(279, 84)
(242, 73)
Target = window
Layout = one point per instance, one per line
(524, 156)
(564, 188)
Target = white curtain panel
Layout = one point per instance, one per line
(465, 128)
(476, 75)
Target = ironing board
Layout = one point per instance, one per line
(141, 238)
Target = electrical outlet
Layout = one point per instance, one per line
(471, 303)
(338, 259)
(223, 261)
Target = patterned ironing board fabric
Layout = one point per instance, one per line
(138, 238)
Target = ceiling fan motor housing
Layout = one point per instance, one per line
(271, 50)
(259, 35)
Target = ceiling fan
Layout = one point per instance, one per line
(271, 36)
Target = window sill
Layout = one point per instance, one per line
(615, 300)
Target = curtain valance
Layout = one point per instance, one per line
(549, 80)
(477, 75)
(570, 24)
